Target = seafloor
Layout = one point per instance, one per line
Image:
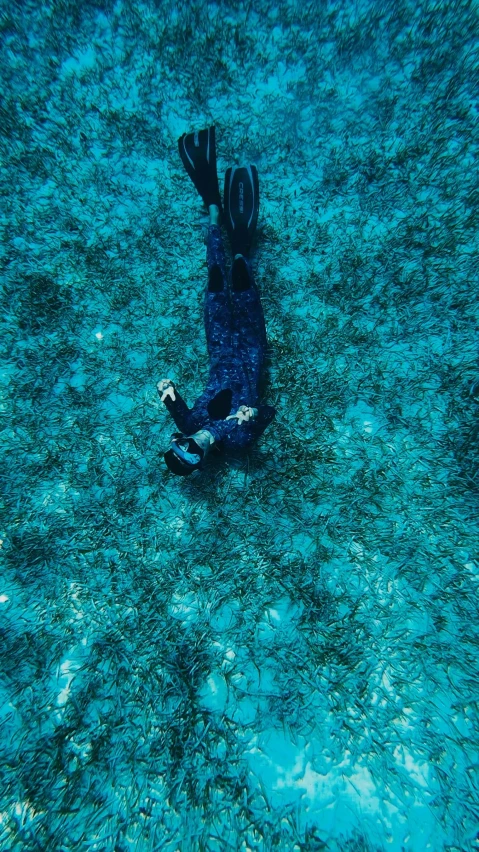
(279, 653)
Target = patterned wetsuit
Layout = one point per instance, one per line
(236, 339)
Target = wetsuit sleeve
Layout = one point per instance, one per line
(179, 411)
(241, 435)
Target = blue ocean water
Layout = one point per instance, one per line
(280, 652)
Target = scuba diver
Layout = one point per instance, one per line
(227, 414)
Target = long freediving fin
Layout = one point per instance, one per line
(198, 154)
(241, 204)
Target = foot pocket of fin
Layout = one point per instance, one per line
(240, 276)
(215, 280)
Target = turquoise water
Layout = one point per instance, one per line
(279, 653)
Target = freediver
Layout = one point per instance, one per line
(227, 414)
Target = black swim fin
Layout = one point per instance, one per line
(198, 153)
(241, 203)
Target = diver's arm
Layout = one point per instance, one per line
(244, 414)
(176, 406)
(248, 424)
(259, 416)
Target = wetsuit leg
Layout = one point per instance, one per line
(249, 331)
(217, 310)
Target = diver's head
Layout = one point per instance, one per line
(188, 452)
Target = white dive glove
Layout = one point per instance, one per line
(244, 414)
(165, 388)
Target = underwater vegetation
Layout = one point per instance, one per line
(282, 653)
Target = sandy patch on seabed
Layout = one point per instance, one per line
(280, 653)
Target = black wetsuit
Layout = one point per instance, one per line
(236, 339)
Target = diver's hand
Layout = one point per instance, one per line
(165, 388)
(244, 414)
